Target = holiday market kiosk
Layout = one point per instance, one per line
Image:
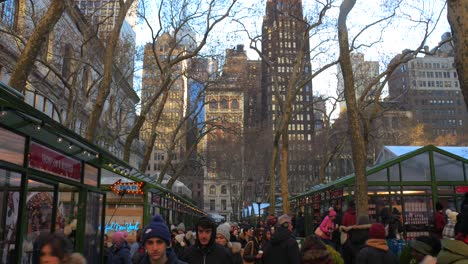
(410, 179)
(53, 180)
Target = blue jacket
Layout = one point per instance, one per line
(119, 255)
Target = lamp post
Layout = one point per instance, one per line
(259, 201)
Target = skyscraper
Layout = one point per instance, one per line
(429, 87)
(285, 47)
(364, 72)
(175, 107)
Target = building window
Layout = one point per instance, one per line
(223, 205)
(212, 190)
(7, 12)
(66, 61)
(223, 189)
(224, 104)
(212, 205)
(213, 104)
(235, 104)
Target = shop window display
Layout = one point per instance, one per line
(67, 211)
(9, 207)
(39, 205)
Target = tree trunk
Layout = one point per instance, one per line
(149, 148)
(357, 141)
(105, 85)
(457, 15)
(284, 169)
(274, 160)
(25, 62)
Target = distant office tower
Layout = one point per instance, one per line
(102, 15)
(225, 185)
(283, 39)
(428, 86)
(364, 72)
(175, 108)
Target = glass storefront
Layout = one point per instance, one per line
(9, 209)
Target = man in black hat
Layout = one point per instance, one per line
(156, 239)
(205, 250)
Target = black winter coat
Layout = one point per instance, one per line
(171, 258)
(282, 249)
(212, 254)
(357, 237)
(371, 255)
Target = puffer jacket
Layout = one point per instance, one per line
(119, 255)
(453, 251)
(281, 249)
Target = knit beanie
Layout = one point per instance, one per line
(332, 213)
(181, 227)
(119, 237)
(377, 231)
(224, 229)
(157, 228)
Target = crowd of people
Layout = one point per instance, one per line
(275, 242)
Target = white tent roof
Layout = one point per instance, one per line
(390, 152)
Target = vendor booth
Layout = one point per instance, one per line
(53, 180)
(409, 179)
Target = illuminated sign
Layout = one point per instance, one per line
(127, 227)
(462, 189)
(45, 159)
(120, 187)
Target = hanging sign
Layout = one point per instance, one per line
(47, 160)
(120, 187)
(462, 189)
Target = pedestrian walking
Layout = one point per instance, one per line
(205, 250)
(57, 249)
(326, 228)
(253, 250)
(439, 220)
(300, 225)
(349, 218)
(282, 247)
(156, 240)
(222, 235)
(449, 229)
(357, 237)
(119, 252)
(456, 251)
(376, 249)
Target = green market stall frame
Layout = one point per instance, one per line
(413, 183)
(53, 180)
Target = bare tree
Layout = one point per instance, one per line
(109, 59)
(180, 15)
(457, 17)
(25, 63)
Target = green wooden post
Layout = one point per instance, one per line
(435, 196)
(81, 219)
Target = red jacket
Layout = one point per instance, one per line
(349, 218)
(439, 222)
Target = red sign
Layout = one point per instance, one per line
(45, 159)
(462, 189)
(120, 187)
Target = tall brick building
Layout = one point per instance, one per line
(283, 39)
